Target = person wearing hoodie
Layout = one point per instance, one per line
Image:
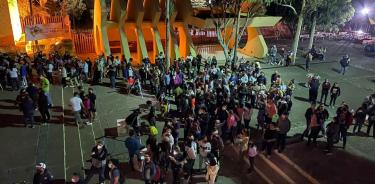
(283, 125)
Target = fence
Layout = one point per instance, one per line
(83, 42)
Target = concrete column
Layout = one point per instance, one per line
(256, 45)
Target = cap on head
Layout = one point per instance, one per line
(41, 165)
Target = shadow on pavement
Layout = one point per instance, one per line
(354, 169)
(302, 84)
(336, 70)
(8, 107)
(301, 99)
(8, 101)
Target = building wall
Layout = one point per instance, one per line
(6, 34)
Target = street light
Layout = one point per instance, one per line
(365, 11)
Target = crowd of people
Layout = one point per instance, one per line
(212, 105)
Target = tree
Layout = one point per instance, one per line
(53, 7)
(328, 14)
(168, 13)
(227, 14)
(74, 8)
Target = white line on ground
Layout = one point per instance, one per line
(37, 146)
(277, 169)
(261, 174)
(80, 146)
(295, 166)
(63, 126)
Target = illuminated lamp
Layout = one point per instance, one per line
(365, 11)
(15, 19)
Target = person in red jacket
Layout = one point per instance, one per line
(345, 119)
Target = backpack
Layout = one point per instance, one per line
(153, 131)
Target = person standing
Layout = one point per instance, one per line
(212, 168)
(309, 112)
(360, 118)
(115, 175)
(92, 109)
(191, 155)
(112, 76)
(133, 144)
(313, 91)
(284, 126)
(333, 137)
(345, 119)
(99, 155)
(28, 109)
(45, 85)
(204, 150)
(344, 62)
(308, 60)
(50, 72)
(85, 71)
(335, 92)
(148, 169)
(43, 107)
(64, 75)
(23, 72)
(252, 152)
(326, 86)
(269, 138)
(13, 75)
(89, 67)
(117, 66)
(77, 105)
(314, 127)
(371, 119)
(42, 175)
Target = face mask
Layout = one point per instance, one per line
(74, 180)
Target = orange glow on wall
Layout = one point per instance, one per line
(15, 19)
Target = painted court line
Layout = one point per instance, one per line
(261, 174)
(80, 145)
(299, 169)
(63, 129)
(277, 169)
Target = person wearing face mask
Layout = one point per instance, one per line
(76, 179)
(98, 161)
(42, 175)
(115, 175)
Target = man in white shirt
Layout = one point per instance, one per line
(13, 74)
(117, 65)
(190, 57)
(49, 72)
(85, 70)
(77, 105)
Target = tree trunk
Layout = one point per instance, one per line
(237, 33)
(167, 36)
(298, 31)
(312, 31)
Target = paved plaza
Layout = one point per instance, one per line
(65, 147)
